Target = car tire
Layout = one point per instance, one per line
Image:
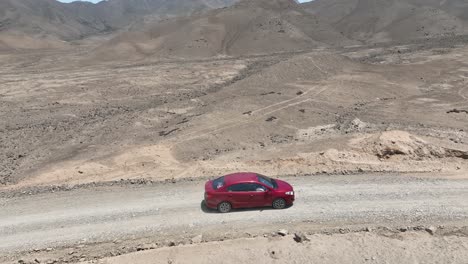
(279, 203)
(224, 207)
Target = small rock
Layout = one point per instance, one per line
(81, 259)
(431, 230)
(300, 237)
(21, 261)
(419, 228)
(368, 229)
(171, 244)
(273, 255)
(197, 239)
(146, 247)
(283, 232)
(48, 249)
(403, 229)
(37, 261)
(358, 124)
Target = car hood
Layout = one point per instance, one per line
(284, 186)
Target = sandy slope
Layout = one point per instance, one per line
(11, 42)
(349, 248)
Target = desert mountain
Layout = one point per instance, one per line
(46, 17)
(392, 20)
(121, 13)
(76, 20)
(248, 27)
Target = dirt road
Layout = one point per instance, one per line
(170, 210)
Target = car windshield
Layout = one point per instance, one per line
(218, 183)
(267, 181)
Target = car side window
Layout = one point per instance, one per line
(247, 187)
(257, 187)
(240, 187)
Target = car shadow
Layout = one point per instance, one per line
(207, 210)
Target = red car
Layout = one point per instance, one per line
(246, 190)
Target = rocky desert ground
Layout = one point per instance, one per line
(108, 132)
(384, 109)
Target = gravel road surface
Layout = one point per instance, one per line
(109, 213)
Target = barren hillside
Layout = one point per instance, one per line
(394, 20)
(47, 20)
(248, 27)
(47, 17)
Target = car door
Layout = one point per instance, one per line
(259, 195)
(239, 195)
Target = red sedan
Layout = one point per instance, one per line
(246, 190)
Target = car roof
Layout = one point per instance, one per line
(240, 177)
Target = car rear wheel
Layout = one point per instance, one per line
(279, 203)
(224, 207)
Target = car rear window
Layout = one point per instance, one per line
(267, 181)
(218, 183)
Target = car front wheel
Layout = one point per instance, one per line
(224, 207)
(279, 203)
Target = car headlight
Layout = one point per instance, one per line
(290, 193)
